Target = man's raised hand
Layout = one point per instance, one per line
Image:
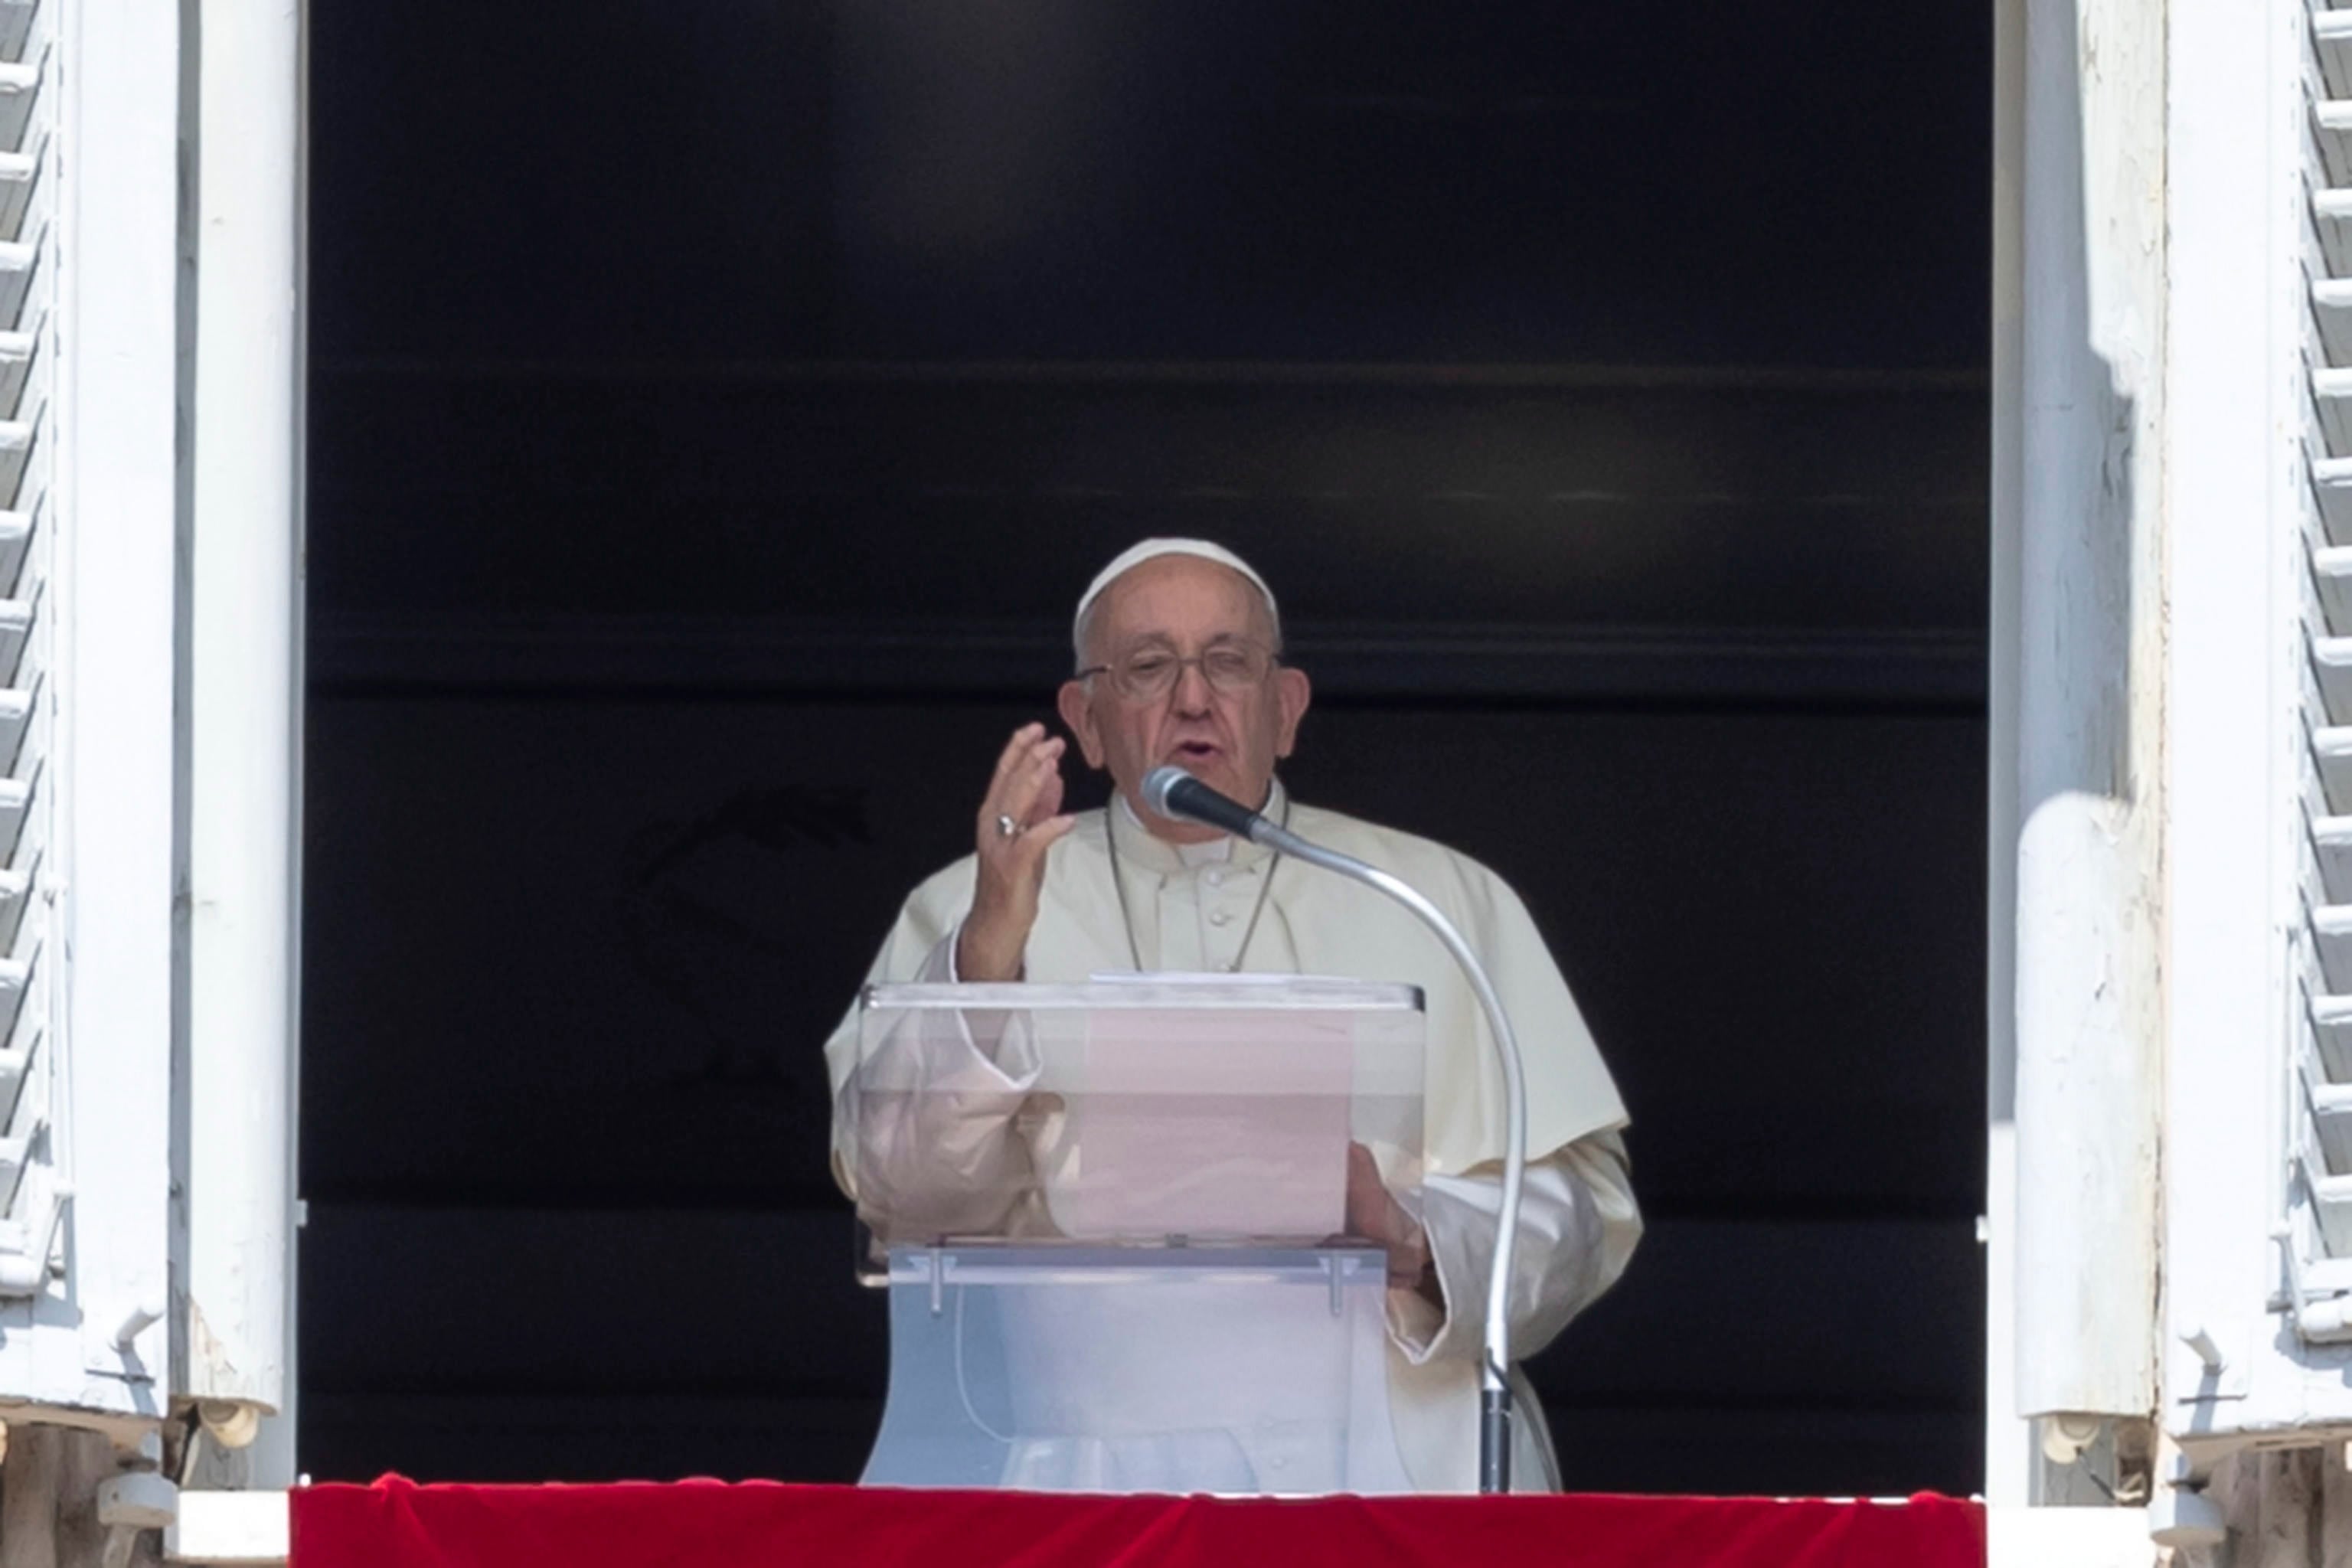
(1025, 794)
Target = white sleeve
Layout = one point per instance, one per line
(1578, 1226)
(924, 1135)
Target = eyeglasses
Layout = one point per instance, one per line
(1150, 674)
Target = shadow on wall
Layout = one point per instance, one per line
(697, 910)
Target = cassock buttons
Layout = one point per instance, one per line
(1220, 916)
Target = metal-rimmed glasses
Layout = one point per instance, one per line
(1148, 674)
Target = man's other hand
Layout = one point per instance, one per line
(1374, 1214)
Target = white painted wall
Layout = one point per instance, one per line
(244, 753)
(2087, 705)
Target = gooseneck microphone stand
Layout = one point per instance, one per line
(1172, 792)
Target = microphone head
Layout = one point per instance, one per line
(1173, 794)
(1157, 786)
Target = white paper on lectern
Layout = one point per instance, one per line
(1205, 977)
(1210, 1122)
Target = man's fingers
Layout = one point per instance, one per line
(1016, 794)
(1049, 797)
(1013, 747)
(1022, 741)
(1044, 836)
(1019, 793)
(1011, 788)
(1021, 752)
(1045, 780)
(1373, 1209)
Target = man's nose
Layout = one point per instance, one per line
(1193, 689)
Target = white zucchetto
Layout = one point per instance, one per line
(1136, 555)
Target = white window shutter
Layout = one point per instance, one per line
(2257, 605)
(2319, 1223)
(89, 271)
(32, 1189)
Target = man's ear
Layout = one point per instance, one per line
(1077, 711)
(1292, 692)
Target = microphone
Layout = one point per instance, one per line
(1171, 792)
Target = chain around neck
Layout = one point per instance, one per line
(1127, 918)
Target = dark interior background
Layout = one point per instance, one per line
(715, 408)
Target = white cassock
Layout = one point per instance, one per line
(1190, 908)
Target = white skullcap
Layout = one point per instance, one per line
(1136, 555)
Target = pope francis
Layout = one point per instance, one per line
(1179, 660)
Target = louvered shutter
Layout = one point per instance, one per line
(2319, 1239)
(89, 252)
(29, 1177)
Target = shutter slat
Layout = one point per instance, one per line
(20, 174)
(15, 27)
(2331, 138)
(16, 534)
(2331, 578)
(2330, 655)
(20, 261)
(20, 93)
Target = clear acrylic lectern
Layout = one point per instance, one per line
(1112, 1218)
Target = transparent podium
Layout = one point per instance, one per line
(1112, 1219)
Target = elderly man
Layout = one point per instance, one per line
(1179, 648)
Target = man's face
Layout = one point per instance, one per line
(1181, 608)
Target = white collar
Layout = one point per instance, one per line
(1148, 850)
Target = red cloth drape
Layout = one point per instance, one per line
(395, 1523)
